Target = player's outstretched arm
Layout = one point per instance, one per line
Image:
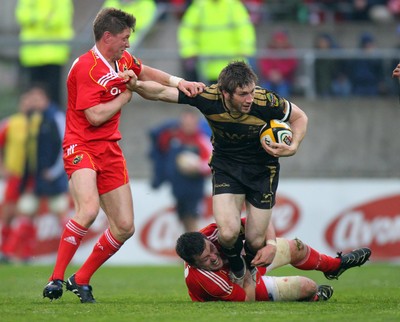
(154, 91)
(190, 89)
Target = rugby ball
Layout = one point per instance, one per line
(276, 131)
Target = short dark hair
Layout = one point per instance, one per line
(113, 20)
(190, 244)
(42, 86)
(236, 74)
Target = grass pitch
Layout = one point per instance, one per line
(369, 293)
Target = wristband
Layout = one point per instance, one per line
(271, 242)
(174, 81)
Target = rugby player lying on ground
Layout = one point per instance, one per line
(207, 272)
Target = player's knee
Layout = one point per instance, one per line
(308, 288)
(294, 288)
(87, 214)
(125, 230)
(228, 235)
(256, 242)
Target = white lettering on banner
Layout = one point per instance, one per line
(327, 214)
(284, 217)
(162, 235)
(354, 230)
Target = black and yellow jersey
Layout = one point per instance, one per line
(235, 136)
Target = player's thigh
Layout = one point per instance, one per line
(227, 209)
(83, 190)
(118, 207)
(257, 221)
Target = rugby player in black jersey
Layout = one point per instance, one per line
(245, 172)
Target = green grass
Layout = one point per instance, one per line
(370, 293)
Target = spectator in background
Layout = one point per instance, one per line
(278, 67)
(146, 8)
(44, 178)
(256, 10)
(211, 34)
(396, 71)
(50, 24)
(394, 7)
(330, 76)
(13, 134)
(360, 10)
(177, 7)
(367, 72)
(180, 154)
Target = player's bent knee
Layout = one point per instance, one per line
(124, 231)
(293, 288)
(256, 243)
(228, 236)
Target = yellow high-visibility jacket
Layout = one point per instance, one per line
(18, 141)
(216, 28)
(45, 20)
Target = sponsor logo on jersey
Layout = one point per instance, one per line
(77, 159)
(136, 61)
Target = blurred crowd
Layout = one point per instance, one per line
(213, 32)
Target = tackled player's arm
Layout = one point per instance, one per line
(266, 255)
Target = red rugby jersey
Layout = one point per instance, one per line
(91, 81)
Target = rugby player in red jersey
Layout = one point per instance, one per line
(208, 276)
(93, 159)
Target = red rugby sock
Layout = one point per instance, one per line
(70, 240)
(21, 239)
(106, 246)
(5, 235)
(317, 261)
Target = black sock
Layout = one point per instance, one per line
(250, 254)
(234, 257)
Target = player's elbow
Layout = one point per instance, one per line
(94, 120)
(93, 117)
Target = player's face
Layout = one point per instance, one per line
(210, 259)
(241, 99)
(118, 43)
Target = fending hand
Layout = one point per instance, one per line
(191, 89)
(264, 256)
